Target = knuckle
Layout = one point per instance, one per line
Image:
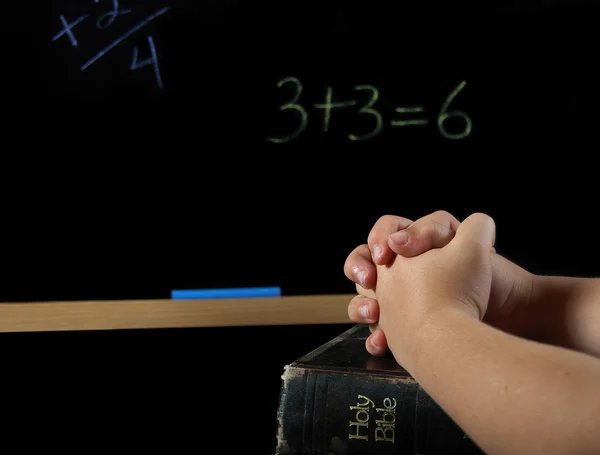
(352, 258)
(348, 267)
(372, 237)
(353, 314)
(352, 307)
(428, 229)
(350, 312)
(483, 217)
(384, 224)
(442, 215)
(385, 219)
(382, 221)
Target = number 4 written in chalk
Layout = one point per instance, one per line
(149, 61)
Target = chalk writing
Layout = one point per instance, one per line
(445, 115)
(152, 60)
(106, 20)
(407, 116)
(117, 41)
(68, 29)
(292, 106)
(111, 15)
(328, 105)
(412, 122)
(367, 109)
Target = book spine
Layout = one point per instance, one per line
(325, 412)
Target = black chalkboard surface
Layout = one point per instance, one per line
(157, 145)
(151, 145)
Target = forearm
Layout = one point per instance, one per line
(565, 311)
(510, 395)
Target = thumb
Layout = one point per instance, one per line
(478, 228)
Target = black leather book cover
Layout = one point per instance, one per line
(340, 400)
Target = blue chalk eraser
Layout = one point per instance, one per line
(230, 293)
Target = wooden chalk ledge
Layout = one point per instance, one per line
(153, 314)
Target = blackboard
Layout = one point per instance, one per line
(119, 183)
(158, 145)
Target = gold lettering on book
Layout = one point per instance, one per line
(385, 429)
(360, 425)
(385, 419)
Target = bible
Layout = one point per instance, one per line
(340, 400)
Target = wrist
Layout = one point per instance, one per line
(545, 313)
(412, 343)
(510, 300)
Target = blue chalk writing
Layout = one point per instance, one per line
(68, 29)
(116, 42)
(105, 20)
(111, 15)
(152, 60)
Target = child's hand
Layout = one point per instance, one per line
(411, 292)
(511, 285)
(431, 231)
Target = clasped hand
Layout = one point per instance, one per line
(410, 272)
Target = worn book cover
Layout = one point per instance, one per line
(340, 400)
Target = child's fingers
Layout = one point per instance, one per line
(376, 344)
(369, 293)
(363, 310)
(431, 231)
(359, 267)
(378, 237)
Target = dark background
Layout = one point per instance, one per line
(115, 188)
